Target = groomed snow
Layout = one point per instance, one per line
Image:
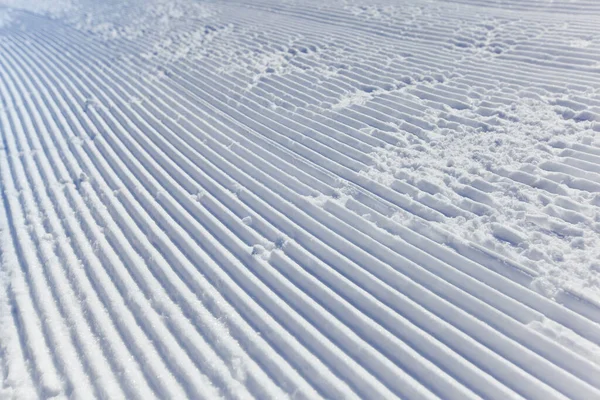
(300, 199)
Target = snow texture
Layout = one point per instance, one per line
(300, 199)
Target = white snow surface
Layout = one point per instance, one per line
(300, 199)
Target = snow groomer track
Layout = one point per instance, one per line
(303, 199)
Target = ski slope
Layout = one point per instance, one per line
(308, 199)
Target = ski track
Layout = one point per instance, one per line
(260, 199)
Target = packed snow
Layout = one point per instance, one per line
(300, 199)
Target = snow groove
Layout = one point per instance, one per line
(270, 199)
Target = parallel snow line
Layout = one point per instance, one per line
(537, 6)
(345, 309)
(339, 136)
(218, 303)
(238, 305)
(424, 55)
(404, 202)
(423, 238)
(14, 355)
(40, 261)
(335, 15)
(87, 249)
(543, 346)
(35, 346)
(104, 287)
(85, 343)
(263, 122)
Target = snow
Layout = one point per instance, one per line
(300, 199)
(50, 8)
